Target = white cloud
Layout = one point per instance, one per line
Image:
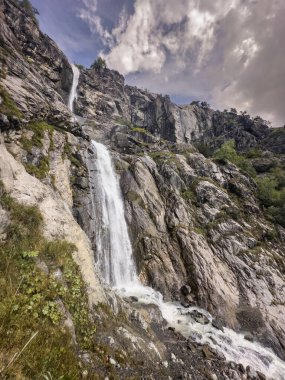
(89, 14)
(226, 51)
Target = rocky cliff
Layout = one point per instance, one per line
(200, 234)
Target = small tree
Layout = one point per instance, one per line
(27, 5)
(205, 105)
(99, 64)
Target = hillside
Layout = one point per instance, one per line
(204, 203)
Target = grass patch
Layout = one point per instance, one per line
(38, 128)
(140, 130)
(8, 106)
(40, 171)
(189, 196)
(29, 306)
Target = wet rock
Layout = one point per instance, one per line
(208, 353)
(185, 290)
(261, 376)
(131, 299)
(249, 337)
(234, 375)
(217, 324)
(251, 373)
(4, 122)
(241, 368)
(199, 317)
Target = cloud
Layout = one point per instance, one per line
(89, 14)
(228, 52)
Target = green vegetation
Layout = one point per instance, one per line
(134, 128)
(67, 152)
(254, 153)
(8, 107)
(271, 187)
(204, 149)
(99, 64)
(189, 196)
(32, 11)
(162, 155)
(33, 341)
(39, 128)
(41, 170)
(271, 192)
(227, 152)
(123, 121)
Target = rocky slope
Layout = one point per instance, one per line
(199, 233)
(192, 220)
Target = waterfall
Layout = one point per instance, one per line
(116, 262)
(73, 93)
(113, 246)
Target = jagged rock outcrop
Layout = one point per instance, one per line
(102, 93)
(33, 69)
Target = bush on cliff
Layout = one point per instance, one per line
(32, 11)
(227, 152)
(99, 64)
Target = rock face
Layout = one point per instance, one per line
(102, 93)
(33, 69)
(198, 232)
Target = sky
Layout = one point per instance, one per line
(230, 53)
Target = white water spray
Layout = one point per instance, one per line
(114, 251)
(73, 92)
(115, 259)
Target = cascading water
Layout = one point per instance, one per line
(115, 259)
(116, 262)
(73, 92)
(114, 251)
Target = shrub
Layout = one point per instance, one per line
(8, 106)
(271, 193)
(32, 11)
(204, 149)
(99, 63)
(227, 152)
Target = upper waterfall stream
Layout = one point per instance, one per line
(116, 262)
(73, 91)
